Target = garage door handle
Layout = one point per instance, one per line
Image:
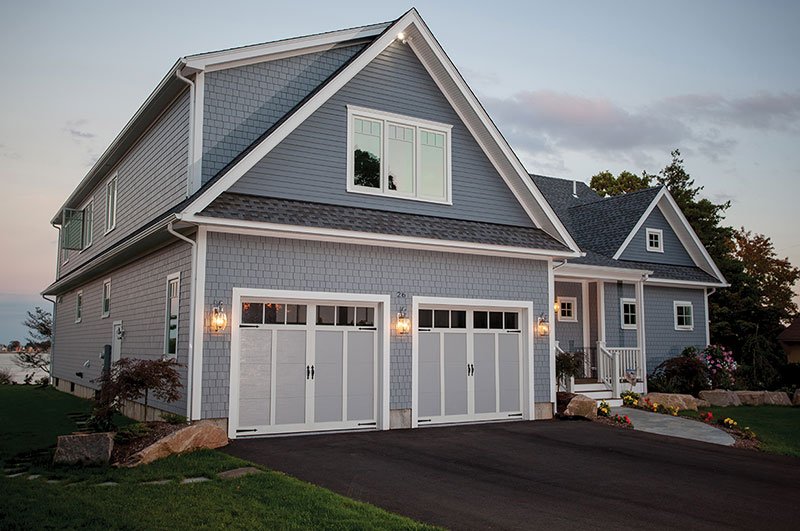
(312, 372)
(308, 372)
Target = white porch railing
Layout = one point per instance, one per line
(615, 363)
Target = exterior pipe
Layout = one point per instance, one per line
(192, 295)
(190, 150)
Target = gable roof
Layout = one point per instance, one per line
(411, 30)
(288, 212)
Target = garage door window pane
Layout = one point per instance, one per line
(426, 318)
(274, 313)
(495, 319)
(365, 316)
(512, 321)
(296, 314)
(458, 319)
(441, 319)
(252, 313)
(325, 315)
(480, 320)
(345, 315)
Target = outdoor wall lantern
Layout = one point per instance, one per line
(218, 318)
(542, 326)
(556, 306)
(403, 324)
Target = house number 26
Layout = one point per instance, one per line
(401, 295)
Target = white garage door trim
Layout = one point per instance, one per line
(526, 319)
(382, 318)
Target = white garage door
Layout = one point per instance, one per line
(306, 366)
(470, 364)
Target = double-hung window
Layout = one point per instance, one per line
(655, 240)
(398, 156)
(684, 316)
(171, 316)
(79, 306)
(106, 300)
(88, 217)
(111, 203)
(627, 314)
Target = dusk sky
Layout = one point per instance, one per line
(576, 88)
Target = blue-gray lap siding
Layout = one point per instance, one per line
(138, 299)
(256, 262)
(241, 103)
(570, 334)
(151, 178)
(616, 336)
(674, 252)
(663, 341)
(311, 163)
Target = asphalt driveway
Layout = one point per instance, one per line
(553, 475)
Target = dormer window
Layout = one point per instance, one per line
(398, 156)
(655, 240)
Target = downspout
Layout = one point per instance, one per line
(190, 150)
(192, 295)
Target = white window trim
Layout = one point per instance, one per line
(86, 204)
(622, 303)
(574, 301)
(103, 313)
(675, 306)
(170, 278)
(116, 195)
(408, 121)
(660, 234)
(79, 306)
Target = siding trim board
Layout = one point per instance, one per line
(410, 23)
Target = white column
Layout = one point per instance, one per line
(640, 335)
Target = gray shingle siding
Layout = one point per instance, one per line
(674, 252)
(616, 336)
(242, 103)
(663, 341)
(255, 262)
(311, 163)
(569, 334)
(138, 299)
(151, 178)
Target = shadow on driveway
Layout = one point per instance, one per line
(553, 474)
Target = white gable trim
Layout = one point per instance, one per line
(547, 220)
(682, 229)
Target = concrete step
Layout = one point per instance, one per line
(583, 388)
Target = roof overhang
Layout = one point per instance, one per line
(583, 271)
(673, 283)
(298, 232)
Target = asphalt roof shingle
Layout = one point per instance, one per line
(307, 214)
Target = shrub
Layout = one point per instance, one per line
(720, 366)
(568, 365)
(682, 374)
(603, 410)
(5, 377)
(173, 418)
(629, 398)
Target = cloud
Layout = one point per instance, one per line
(76, 130)
(6, 153)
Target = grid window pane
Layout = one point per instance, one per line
(458, 319)
(511, 320)
(325, 315)
(480, 319)
(496, 320)
(252, 313)
(296, 314)
(441, 319)
(400, 159)
(365, 316)
(346, 315)
(366, 153)
(274, 313)
(426, 318)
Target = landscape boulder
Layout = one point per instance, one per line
(203, 434)
(764, 398)
(720, 397)
(702, 403)
(581, 406)
(751, 398)
(796, 398)
(673, 400)
(776, 398)
(84, 449)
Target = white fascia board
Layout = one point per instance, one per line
(673, 283)
(639, 223)
(275, 230)
(600, 272)
(478, 109)
(274, 50)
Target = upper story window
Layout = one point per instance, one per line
(79, 306)
(398, 156)
(111, 203)
(567, 309)
(655, 240)
(106, 300)
(88, 217)
(627, 313)
(171, 319)
(684, 316)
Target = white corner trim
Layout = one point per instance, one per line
(198, 314)
(196, 170)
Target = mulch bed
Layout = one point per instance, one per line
(608, 421)
(154, 431)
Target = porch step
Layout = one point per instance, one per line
(589, 387)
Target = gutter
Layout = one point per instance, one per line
(192, 295)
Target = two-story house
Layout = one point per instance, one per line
(330, 233)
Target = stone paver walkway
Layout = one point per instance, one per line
(674, 426)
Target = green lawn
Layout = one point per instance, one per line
(31, 418)
(778, 427)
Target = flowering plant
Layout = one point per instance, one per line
(629, 398)
(707, 417)
(720, 366)
(732, 425)
(622, 419)
(604, 410)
